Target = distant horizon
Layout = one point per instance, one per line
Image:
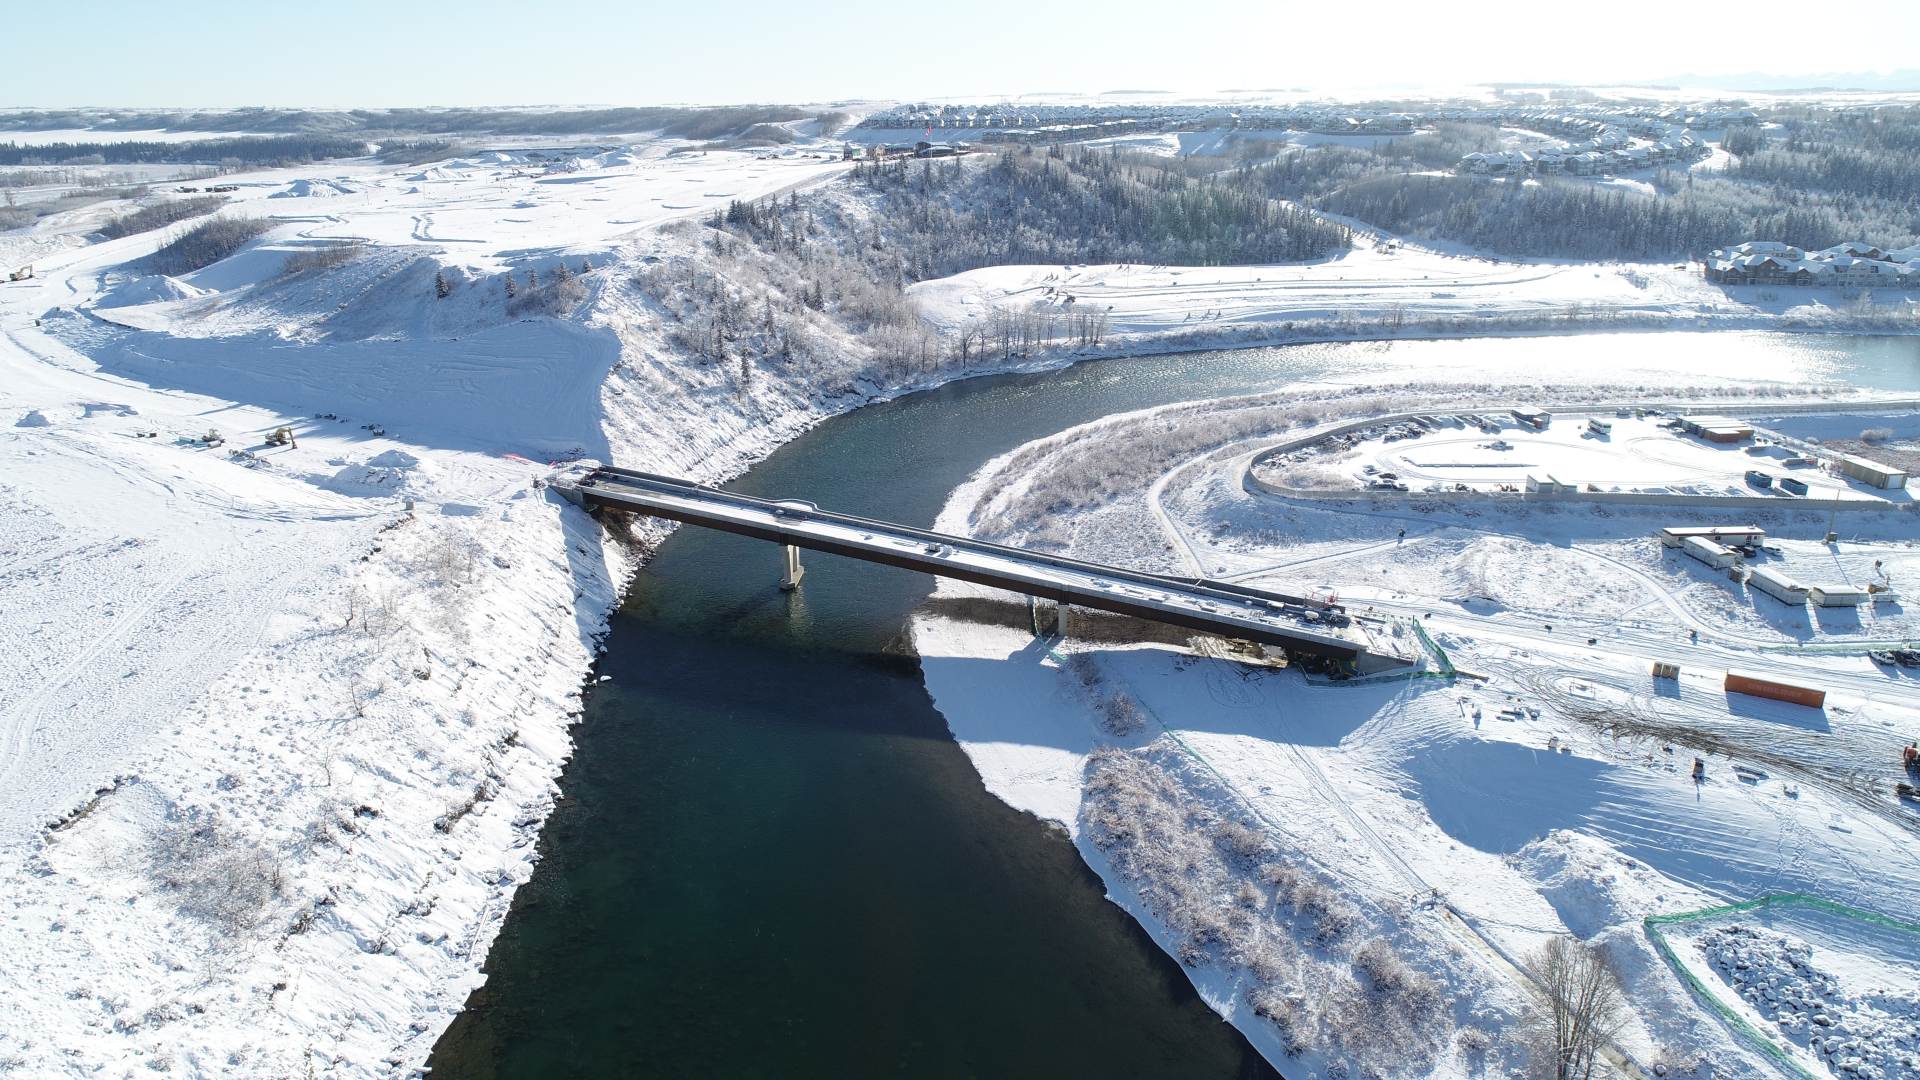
(1908, 82)
(368, 55)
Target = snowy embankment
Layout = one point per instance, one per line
(280, 723)
(1267, 827)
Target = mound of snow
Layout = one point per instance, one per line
(1590, 885)
(151, 289)
(395, 472)
(34, 418)
(304, 189)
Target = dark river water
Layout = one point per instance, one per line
(771, 859)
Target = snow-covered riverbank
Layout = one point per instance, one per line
(1463, 821)
(282, 722)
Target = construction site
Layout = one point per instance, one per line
(1613, 454)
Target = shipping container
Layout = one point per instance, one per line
(1871, 473)
(1792, 486)
(1760, 686)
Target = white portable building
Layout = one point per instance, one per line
(1715, 555)
(1778, 585)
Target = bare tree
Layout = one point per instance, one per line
(1582, 1004)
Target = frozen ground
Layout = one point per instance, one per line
(1466, 818)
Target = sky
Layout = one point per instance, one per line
(363, 53)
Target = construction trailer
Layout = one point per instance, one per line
(1665, 670)
(1778, 585)
(1536, 419)
(1759, 479)
(1869, 472)
(1766, 687)
(1599, 426)
(1718, 556)
(1720, 429)
(1737, 535)
(1839, 596)
(1792, 486)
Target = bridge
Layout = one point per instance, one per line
(1295, 624)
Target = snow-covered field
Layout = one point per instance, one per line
(1467, 819)
(1382, 288)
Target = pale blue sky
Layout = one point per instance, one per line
(365, 53)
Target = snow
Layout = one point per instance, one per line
(148, 289)
(315, 189)
(279, 724)
(1858, 1010)
(1385, 285)
(1636, 455)
(1548, 794)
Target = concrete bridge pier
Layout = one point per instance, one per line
(1049, 621)
(790, 580)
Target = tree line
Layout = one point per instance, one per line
(1069, 204)
(687, 122)
(248, 150)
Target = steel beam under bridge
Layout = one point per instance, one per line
(1214, 607)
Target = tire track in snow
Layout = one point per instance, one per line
(20, 721)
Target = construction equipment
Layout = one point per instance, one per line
(21, 274)
(281, 436)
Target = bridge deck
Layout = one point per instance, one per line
(1213, 607)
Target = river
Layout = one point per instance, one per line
(771, 859)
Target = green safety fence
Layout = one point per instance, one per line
(1766, 1044)
(1439, 654)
